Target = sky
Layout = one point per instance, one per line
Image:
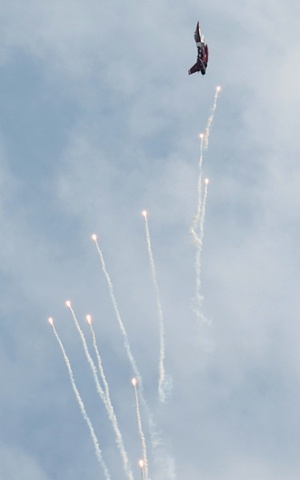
(99, 121)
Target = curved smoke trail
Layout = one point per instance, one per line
(81, 405)
(101, 393)
(162, 374)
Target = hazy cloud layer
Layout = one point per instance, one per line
(99, 120)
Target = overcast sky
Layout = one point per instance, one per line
(98, 121)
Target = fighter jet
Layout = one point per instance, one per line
(202, 53)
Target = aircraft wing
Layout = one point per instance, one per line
(195, 68)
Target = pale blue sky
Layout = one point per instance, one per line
(100, 120)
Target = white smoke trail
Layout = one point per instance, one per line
(141, 433)
(141, 465)
(115, 305)
(162, 384)
(199, 237)
(107, 404)
(81, 405)
(202, 216)
(100, 366)
(107, 400)
(196, 231)
(211, 117)
(199, 196)
(155, 440)
(197, 228)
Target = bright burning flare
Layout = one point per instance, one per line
(50, 320)
(134, 382)
(89, 319)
